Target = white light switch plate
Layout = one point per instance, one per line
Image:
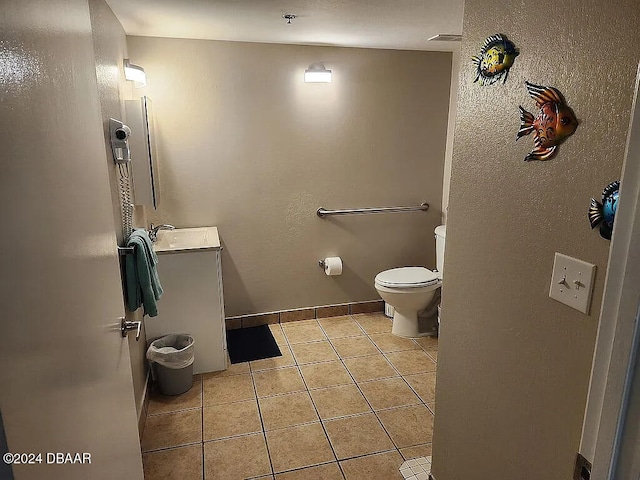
(572, 282)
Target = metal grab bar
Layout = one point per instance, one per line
(357, 211)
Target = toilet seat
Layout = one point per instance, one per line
(407, 277)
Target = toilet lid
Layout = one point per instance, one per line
(406, 277)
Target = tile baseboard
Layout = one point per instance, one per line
(285, 316)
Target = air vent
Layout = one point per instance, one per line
(442, 37)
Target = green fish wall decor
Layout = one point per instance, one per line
(495, 59)
(555, 121)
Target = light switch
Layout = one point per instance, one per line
(572, 282)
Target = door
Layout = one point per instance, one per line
(65, 381)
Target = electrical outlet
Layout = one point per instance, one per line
(572, 282)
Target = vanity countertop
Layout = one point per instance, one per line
(183, 240)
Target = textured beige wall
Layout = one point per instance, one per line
(245, 145)
(110, 46)
(514, 365)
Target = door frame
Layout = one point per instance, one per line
(609, 423)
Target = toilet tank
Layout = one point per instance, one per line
(441, 233)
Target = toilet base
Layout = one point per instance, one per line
(411, 325)
(406, 324)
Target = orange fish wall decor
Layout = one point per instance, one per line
(554, 123)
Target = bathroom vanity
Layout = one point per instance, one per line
(189, 266)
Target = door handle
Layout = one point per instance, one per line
(126, 326)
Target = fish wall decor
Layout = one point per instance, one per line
(495, 59)
(604, 213)
(554, 123)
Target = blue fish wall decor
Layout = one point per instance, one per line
(604, 213)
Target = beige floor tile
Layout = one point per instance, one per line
(308, 332)
(236, 458)
(354, 346)
(369, 368)
(374, 322)
(329, 374)
(408, 426)
(278, 334)
(297, 447)
(411, 361)
(313, 352)
(159, 403)
(416, 452)
(299, 323)
(424, 384)
(432, 407)
(339, 401)
(285, 360)
(287, 410)
(172, 430)
(433, 354)
(329, 471)
(232, 369)
(356, 436)
(388, 342)
(280, 380)
(230, 420)
(184, 463)
(338, 327)
(388, 392)
(428, 343)
(381, 466)
(236, 388)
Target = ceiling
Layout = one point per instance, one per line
(397, 24)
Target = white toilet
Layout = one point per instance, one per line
(409, 290)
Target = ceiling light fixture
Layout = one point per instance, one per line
(135, 74)
(445, 37)
(317, 73)
(289, 17)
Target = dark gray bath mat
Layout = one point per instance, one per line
(248, 344)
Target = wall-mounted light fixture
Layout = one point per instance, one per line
(317, 73)
(135, 74)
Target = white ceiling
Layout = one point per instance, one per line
(398, 24)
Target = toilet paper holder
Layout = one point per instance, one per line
(321, 263)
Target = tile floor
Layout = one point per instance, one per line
(346, 400)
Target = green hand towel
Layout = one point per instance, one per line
(143, 283)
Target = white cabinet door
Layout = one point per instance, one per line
(191, 304)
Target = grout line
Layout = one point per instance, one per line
(398, 371)
(204, 471)
(172, 447)
(368, 335)
(264, 430)
(314, 404)
(310, 466)
(308, 391)
(368, 403)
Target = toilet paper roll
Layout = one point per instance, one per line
(333, 266)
